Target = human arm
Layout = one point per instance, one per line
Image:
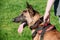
(47, 11)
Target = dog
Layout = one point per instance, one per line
(31, 18)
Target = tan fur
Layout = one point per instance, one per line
(28, 17)
(35, 18)
(50, 35)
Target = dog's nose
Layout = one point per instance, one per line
(13, 20)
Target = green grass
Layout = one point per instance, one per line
(12, 8)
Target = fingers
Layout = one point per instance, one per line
(46, 18)
(48, 21)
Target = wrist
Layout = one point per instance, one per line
(46, 13)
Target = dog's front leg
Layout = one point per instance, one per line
(37, 37)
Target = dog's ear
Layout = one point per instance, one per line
(29, 6)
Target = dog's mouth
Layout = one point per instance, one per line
(24, 22)
(21, 26)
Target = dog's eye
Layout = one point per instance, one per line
(21, 14)
(24, 11)
(24, 16)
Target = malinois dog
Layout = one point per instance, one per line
(31, 18)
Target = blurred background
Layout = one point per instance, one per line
(9, 9)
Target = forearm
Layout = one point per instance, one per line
(49, 5)
(47, 11)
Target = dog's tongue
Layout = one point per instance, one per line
(20, 29)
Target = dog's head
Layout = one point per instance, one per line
(28, 16)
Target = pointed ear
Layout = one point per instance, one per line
(29, 6)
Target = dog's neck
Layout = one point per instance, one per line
(34, 19)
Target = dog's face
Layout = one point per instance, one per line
(27, 16)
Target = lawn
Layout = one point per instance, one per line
(9, 9)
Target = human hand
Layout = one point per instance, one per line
(46, 18)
